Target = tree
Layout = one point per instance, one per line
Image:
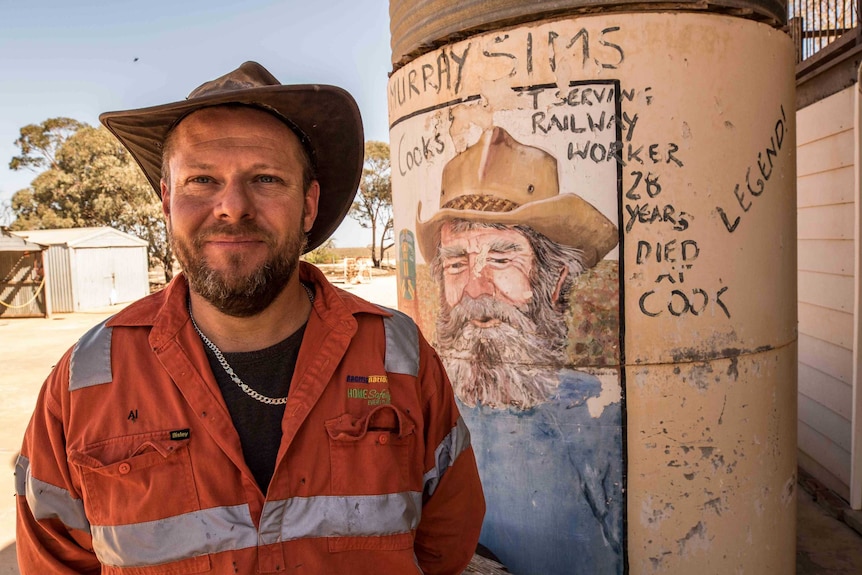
(373, 205)
(90, 180)
(322, 254)
(39, 143)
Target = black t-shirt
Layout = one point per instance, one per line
(268, 372)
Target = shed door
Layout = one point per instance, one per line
(110, 275)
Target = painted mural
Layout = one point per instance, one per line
(598, 236)
(514, 206)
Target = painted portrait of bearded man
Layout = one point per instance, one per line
(506, 248)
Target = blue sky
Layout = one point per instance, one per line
(76, 58)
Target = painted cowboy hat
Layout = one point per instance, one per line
(325, 118)
(498, 180)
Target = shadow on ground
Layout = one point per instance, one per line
(8, 561)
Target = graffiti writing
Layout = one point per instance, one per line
(625, 154)
(670, 295)
(679, 302)
(610, 57)
(599, 50)
(446, 72)
(671, 251)
(757, 174)
(652, 213)
(575, 96)
(545, 123)
(542, 52)
(653, 187)
(413, 154)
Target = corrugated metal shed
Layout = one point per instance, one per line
(90, 268)
(22, 278)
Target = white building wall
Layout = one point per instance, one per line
(825, 216)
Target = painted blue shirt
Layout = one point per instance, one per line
(553, 481)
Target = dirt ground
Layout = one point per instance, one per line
(29, 348)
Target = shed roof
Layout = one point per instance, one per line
(10, 243)
(75, 237)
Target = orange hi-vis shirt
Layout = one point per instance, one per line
(131, 463)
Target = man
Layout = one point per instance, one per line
(250, 418)
(506, 248)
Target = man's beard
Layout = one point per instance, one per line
(230, 293)
(514, 363)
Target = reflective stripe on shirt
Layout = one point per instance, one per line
(230, 528)
(91, 358)
(47, 501)
(455, 442)
(402, 343)
(340, 516)
(189, 535)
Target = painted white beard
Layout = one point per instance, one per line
(507, 365)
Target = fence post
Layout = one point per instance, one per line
(795, 28)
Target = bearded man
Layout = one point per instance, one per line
(506, 248)
(503, 346)
(276, 424)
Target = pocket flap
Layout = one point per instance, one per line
(381, 418)
(111, 451)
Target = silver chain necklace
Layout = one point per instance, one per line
(229, 370)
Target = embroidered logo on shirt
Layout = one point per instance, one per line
(180, 434)
(367, 379)
(374, 389)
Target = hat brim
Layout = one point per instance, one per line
(327, 115)
(566, 219)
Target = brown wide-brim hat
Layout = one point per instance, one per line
(499, 180)
(325, 118)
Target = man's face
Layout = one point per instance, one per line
(236, 207)
(490, 335)
(486, 262)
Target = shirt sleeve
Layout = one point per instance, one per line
(53, 534)
(453, 502)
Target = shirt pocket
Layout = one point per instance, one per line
(372, 454)
(136, 478)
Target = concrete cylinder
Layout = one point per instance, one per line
(596, 223)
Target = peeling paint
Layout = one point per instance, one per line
(733, 368)
(714, 505)
(656, 561)
(696, 539)
(709, 352)
(651, 517)
(610, 394)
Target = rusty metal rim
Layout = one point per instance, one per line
(421, 27)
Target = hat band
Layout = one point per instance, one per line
(481, 203)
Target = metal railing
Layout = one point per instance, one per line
(814, 24)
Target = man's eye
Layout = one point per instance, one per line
(267, 179)
(500, 261)
(455, 267)
(200, 180)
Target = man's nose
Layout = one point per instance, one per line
(478, 284)
(235, 202)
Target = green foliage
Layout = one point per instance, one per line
(90, 180)
(322, 254)
(39, 143)
(373, 205)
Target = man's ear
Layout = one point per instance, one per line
(166, 200)
(564, 273)
(312, 197)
